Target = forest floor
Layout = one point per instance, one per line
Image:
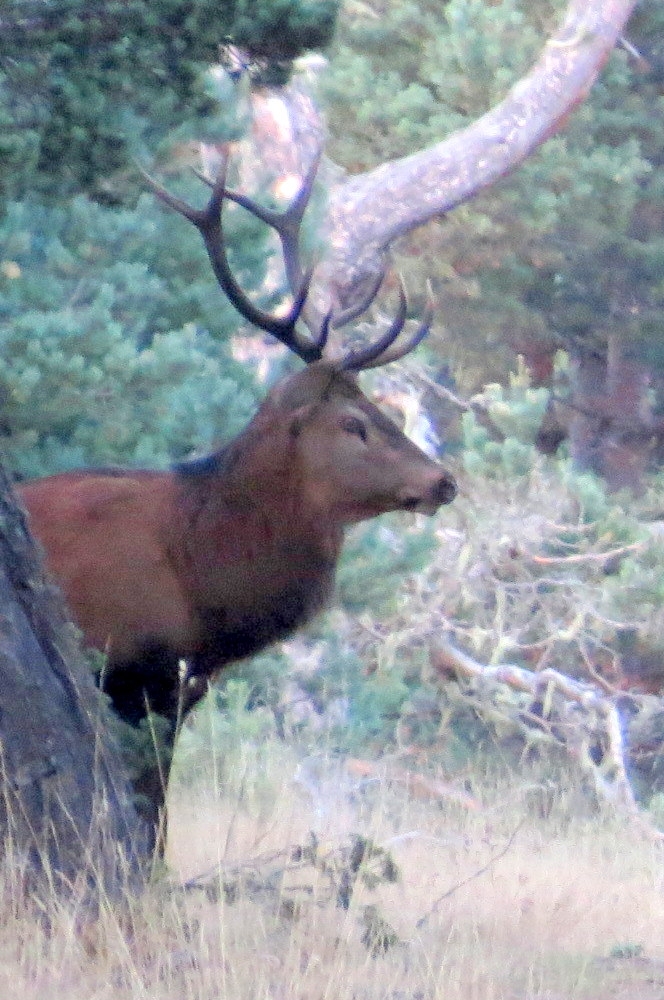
(495, 889)
(519, 890)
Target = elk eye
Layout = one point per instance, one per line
(353, 425)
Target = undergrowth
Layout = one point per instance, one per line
(315, 882)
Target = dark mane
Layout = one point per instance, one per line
(202, 465)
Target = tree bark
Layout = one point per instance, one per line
(587, 422)
(67, 821)
(370, 211)
(611, 427)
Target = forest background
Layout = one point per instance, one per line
(541, 380)
(467, 705)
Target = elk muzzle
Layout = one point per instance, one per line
(441, 490)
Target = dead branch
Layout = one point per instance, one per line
(586, 557)
(369, 211)
(472, 405)
(293, 874)
(417, 785)
(585, 718)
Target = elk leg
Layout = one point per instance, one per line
(146, 695)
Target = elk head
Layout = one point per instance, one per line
(355, 462)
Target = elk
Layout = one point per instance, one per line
(177, 574)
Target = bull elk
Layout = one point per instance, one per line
(176, 574)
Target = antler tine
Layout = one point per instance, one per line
(286, 223)
(208, 221)
(378, 354)
(352, 312)
(194, 215)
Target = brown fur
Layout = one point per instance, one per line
(222, 556)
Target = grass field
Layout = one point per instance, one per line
(522, 891)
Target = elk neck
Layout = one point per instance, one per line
(245, 505)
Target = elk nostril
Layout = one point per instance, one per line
(447, 490)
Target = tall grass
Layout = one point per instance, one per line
(524, 896)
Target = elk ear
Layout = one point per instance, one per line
(300, 418)
(309, 385)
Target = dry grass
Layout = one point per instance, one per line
(538, 923)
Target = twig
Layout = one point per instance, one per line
(582, 557)
(200, 880)
(480, 871)
(609, 689)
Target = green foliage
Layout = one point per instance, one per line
(628, 951)
(146, 749)
(114, 337)
(320, 692)
(416, 71)
(85, 86)
(258, 683)
(376, 555)
(229, 742)
(282, 29)
(516, 412)
(568, 250)
(594, 504)
(233, 721)
(375, 709)
(634, 596)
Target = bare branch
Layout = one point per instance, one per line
(476, 874)
(370, 211)
(584, 711)
(584, 557)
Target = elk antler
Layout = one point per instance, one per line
(287, 224)
(386, 350)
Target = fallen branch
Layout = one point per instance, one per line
(418, 786)
(587, 723)
(585, 557)
(291, 875)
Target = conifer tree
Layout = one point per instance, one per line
(84, 86)
(563, 254)
(115, 340)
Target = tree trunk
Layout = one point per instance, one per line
(611, 426)
(587, 423)
(369, 211)
(67, 822)
(628, 446)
